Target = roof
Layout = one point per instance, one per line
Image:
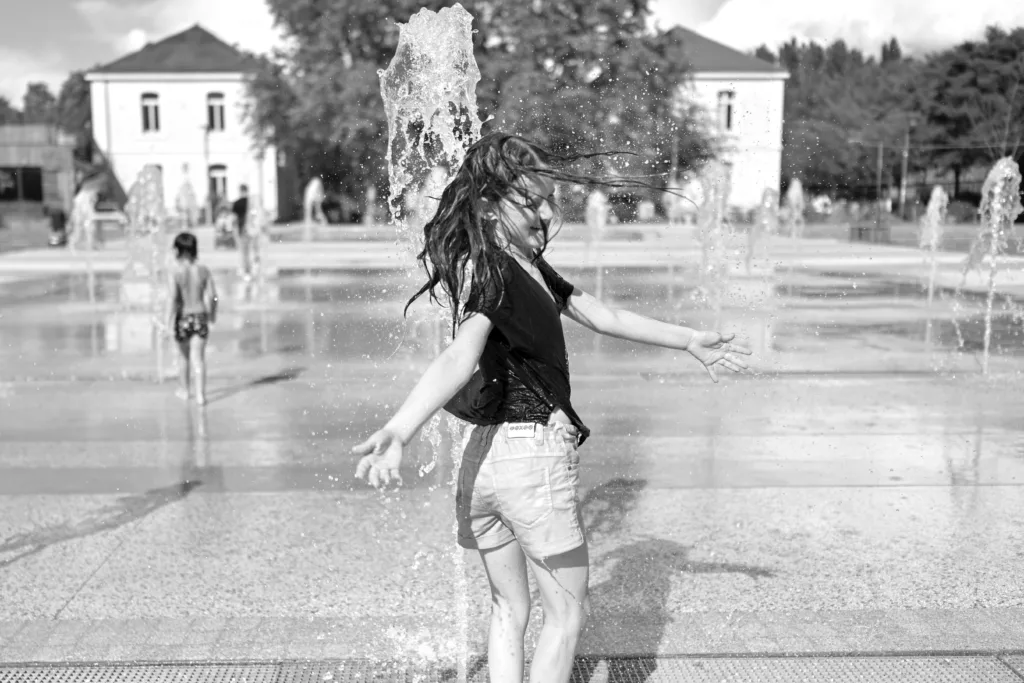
(194, 50)
(708, 56)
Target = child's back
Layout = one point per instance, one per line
(192, 280)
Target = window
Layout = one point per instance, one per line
(150, 113)
(726, 99)
(215, 111)
(219, 181)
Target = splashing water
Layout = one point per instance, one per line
(429, 93)
(714, 235)
(1000, 206)
(932, 227)
(143, 276)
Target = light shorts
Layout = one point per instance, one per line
(523, 488)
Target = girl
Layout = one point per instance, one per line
(517, 500)
(192, 306)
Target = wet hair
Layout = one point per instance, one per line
(460, 243)
(186, 246)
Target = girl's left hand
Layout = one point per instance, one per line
(383, 457)
(713, 349)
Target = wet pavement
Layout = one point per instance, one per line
(858, 492)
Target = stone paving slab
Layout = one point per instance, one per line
(764, 634)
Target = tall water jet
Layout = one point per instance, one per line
(142, 279)
(1000, 206)
(713, 237)
(933, 225)
(794, 205)
(429, 93)
(766, 223)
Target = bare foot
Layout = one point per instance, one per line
(182, 394)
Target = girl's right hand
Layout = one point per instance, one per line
(382, 457)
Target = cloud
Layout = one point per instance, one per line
(919, 26)
(18, 68)
(245, 23)
(690, 13)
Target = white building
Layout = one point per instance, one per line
(178, 103)
(743, 97)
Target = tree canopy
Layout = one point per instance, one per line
(960, 107)
(584, 76)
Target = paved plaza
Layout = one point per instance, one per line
(857, 495)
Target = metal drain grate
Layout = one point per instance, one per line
(1015, 662)
(956, 669)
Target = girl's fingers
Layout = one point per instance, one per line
(739, 362)
(362, 468)
(711, 372)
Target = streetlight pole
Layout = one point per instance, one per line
(206, 159)
(911, 122)
(878, 185)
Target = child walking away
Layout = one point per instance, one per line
(192, 308)
(507, 372)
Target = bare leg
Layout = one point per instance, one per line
(562, 580)
(198, 357)
(184, 372)
(510, 611)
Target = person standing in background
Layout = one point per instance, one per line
(313, 207)
(248, 235)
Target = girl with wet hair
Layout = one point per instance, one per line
(506, 372)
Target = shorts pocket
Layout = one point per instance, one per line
(525, 490)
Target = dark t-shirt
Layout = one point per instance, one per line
(527, 323)
(240, 208)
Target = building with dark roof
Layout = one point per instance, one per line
(743, 98)
(179, 104)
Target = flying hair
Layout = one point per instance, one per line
(463, 250)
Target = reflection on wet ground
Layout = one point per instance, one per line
(865, 466)
(358, 315)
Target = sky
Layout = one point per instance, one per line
(43, 40)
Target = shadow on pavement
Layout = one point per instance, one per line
(631, 604)
(286, 375)
(126, 510)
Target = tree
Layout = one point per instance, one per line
(579, 76)
(74, 104)
(974, 100)
(39, 104)
(891, 52)
(8, 114)
(839, 106)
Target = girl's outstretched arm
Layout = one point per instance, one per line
(710, 348)
(448, 373)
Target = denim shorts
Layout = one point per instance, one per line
(520, 481)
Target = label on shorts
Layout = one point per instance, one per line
(522, 430)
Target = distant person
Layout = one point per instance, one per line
(185, 203)
(248, 234)
(192, 307)
(313, 206)
(83, 218)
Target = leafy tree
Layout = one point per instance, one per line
(839, 105)
(74, 108)
(8, 114)
(974, 101)
(39, 104)
(574, 75)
